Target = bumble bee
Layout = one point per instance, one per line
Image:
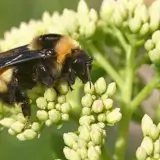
(44, 61)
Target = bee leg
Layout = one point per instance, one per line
(21, 97)
(42, 76)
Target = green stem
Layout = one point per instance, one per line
(123, 128)
(104, 63)
(121, 38)
(144, 92)
(105, 154)
(129, 75)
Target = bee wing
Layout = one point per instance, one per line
(23, 54)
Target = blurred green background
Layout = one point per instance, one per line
(50, 142)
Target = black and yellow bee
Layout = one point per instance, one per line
(44, 61)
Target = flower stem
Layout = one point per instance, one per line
(104, 63)
(123, 128)
(144, 92)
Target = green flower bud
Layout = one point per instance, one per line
(29, 134)
(111, 89)
(101, 125)
(154, 20)
(17, 127)
(156, 156)
(141, 154)
(158, 46)
(61, 99)
(97, 106)
(104, 96)
(90, 144)
(58, 107)
(41, 103)
(135, 24)
(48, 122)
(158, 126)
(149, 45)
(54, 116)
(82, 8)
(75, 146)
(107, 9)
(50, 94)
(147, 144)
(85, 133)
(98, 149)
(82, 143)
(62, 87)
(142, 12)
(86, 111)
(32, 96)
(96, 136)
(156, 36)
(154, 55)
(67, 152)
(35, 126)
(11, 132)
(94, 97)
(157, 147)
(113, 116)
(146, 125)
(100, 86)
(71, 154)
(117, 18)
(86, 120)
(93, 154)
(42, 115)
(154, 132)
(38, 89)
(70, 139)
(65, 117)
(66, 107)
(51, 105)
(21, 118)
(101, 117)
(93, 16)
(87, 100)
(89, 88)
(144, 29)
(21, 137)
(7, 122)
(108, 103)
(82, 152)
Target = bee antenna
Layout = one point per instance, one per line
(88, 74)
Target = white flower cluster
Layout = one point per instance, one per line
(130, 16)
(150, 146)
(97, 112)
(50, 108)
(76, 24)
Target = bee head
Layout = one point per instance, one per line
(81, 65)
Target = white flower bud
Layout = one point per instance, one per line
(7, 122)
(29, 134)
(147, 144)
(17, 127)
(70, 139)
(113, 116)
(141, 154)
(42, 115)
(146, 125)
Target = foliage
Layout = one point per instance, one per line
(116, 38)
